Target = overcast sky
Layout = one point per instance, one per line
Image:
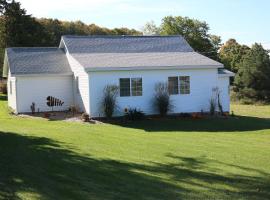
(245, 20)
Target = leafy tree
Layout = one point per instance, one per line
(19, 29)
(232, 53)
(194, 31)
(253, 78)
(150, 28)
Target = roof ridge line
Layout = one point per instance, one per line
(33, 48)
(119, 36)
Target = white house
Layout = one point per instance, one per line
(77, 72)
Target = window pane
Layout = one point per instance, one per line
(184, 85)
(124, 87)
(136, 84)
(173, 85)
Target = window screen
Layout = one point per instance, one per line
(184, 84)
(173, 85)
(136, 84)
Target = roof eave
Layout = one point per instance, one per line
(226, 75)
(43, 74)
(145, 68)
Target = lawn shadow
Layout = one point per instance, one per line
(44, 168)
(3, 97)
(231, 124)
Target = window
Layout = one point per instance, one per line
(184, 84)
(173, 85)
(130, 87)
(124, 87)
(10, 87)
(179, 84)
(136, 84)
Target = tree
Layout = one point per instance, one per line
(253, 78)
(17, 28)
(232, 53)
(150, 28)
(195, 32)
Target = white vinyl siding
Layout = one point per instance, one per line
(81, 85)
(197, 100)
(36, 89)
(11, 86)
(223, 86)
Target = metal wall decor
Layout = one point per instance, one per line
(52, 102)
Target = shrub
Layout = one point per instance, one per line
(215, 102)
(85, 117)
(220, 107)
(212, 106)
(108, 102)
(134, 114)
(3, 88)
(47, 115)
(33, 108)
(73, 109)
(162, 100)
(185, 115)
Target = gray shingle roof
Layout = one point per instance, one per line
(134, 51)
(37, 61)
(123, 60)
(126, 44)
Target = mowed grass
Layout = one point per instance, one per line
(160, 159)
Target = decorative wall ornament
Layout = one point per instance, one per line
(52, 102)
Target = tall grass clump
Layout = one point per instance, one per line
(108, 102)
(162, 101)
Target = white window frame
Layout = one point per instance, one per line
(131, 92)
(179, 86)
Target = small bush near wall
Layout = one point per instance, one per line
(85, 117)
(134, 114)
(108, 103)
(3, 88)
(162, 101)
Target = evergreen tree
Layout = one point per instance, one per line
(253, 77)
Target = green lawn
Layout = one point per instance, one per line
(161, 159)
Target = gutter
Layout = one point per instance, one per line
(46, 75)
(144, 68)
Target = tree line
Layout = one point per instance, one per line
(17, 29)
(250, 64)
